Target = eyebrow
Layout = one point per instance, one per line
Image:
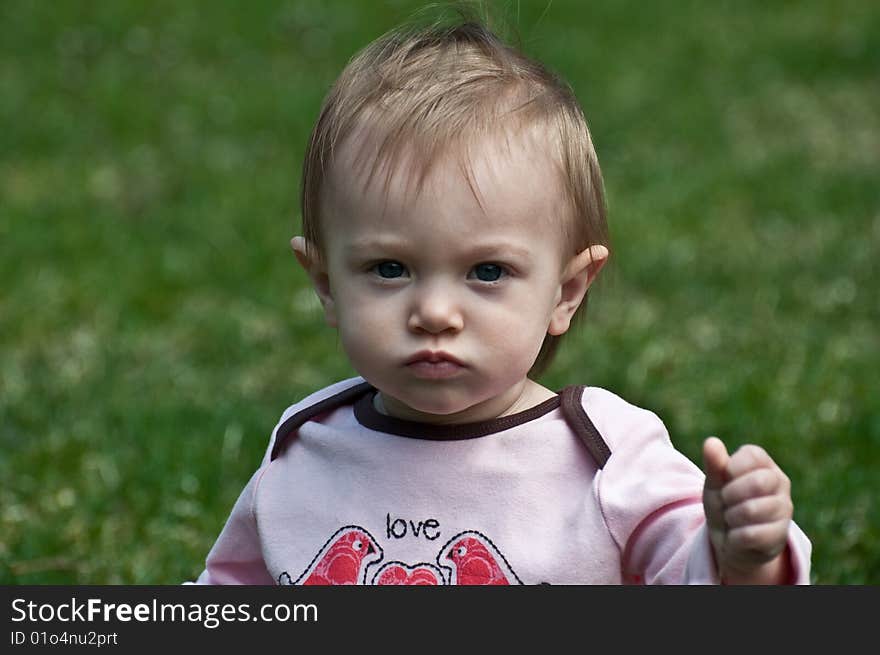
(499, 249)
(486, 250)
(374, 243)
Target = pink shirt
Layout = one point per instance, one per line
(355, 497)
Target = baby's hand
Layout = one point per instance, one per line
(747, 499)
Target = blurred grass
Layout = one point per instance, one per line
(153, 324)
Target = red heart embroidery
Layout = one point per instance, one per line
(400, 574)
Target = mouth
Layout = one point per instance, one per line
(433, 357)
(434, 365)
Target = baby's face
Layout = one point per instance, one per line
(442, 301)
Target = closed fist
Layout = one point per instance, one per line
(747, 500)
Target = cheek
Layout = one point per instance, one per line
(515, 334)
(365, 333)
(528, 314)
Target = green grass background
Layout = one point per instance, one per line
(154, 324)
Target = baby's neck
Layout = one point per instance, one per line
(532, 394)
(528, 395)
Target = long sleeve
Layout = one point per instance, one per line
(651, 499)
(701, 568)
(237, 557)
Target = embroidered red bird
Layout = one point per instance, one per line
(343, 559)
(475, 561)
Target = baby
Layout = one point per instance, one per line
(453, 223)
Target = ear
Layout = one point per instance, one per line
(577, 277)
(307, 257)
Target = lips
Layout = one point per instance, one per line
(434, 365)
(433, 357)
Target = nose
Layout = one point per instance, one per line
(435, 309)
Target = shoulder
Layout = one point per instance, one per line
(623, 426)
(645, 471)
(318, 396)
(309, 401)
(644, 464)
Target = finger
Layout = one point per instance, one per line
(760, 542)
(747, 458)
(756, 511)
(715, 459)
(755, 484)
(713, 506)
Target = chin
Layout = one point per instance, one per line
(438, 408)
(435, 403)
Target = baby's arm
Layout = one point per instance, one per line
(237, 557)
(747, 500)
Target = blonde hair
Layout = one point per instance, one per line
(427, 91)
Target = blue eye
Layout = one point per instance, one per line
(389, 269)
(488, 272)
